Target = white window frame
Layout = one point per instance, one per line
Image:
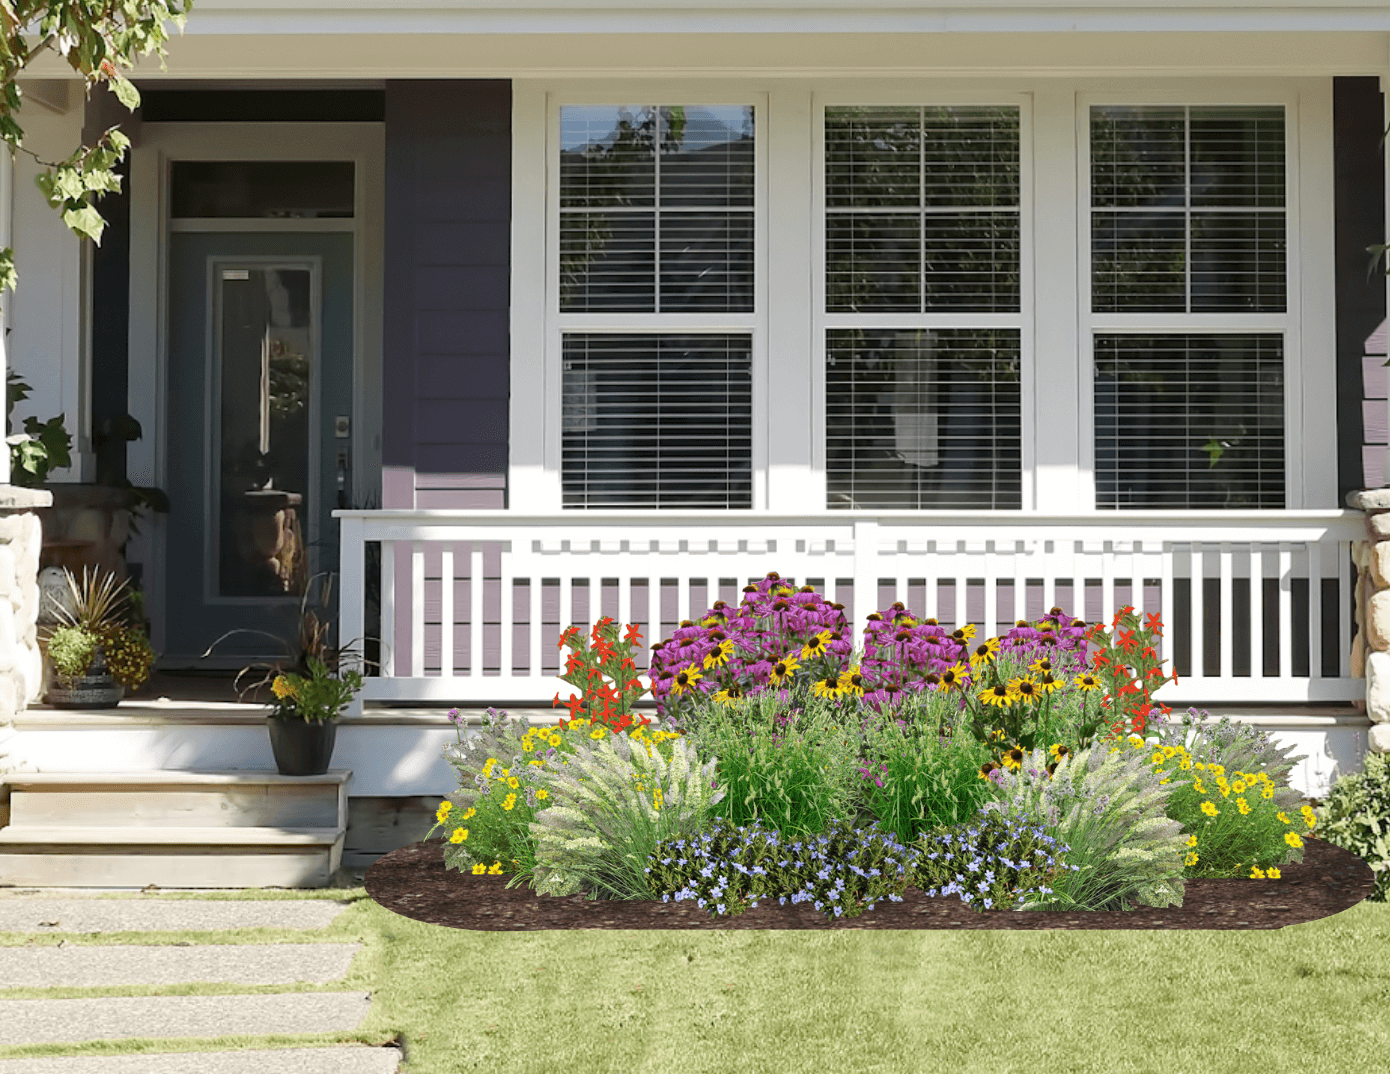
(925, 96)
(790, 321)
(546, 495)
(1308, 322)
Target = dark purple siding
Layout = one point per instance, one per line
(448, 239)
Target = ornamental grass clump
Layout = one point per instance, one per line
(1239, 824)
(1107, 805)
(992, 864)
(612, 807)
(1356, 817)
(728, 868)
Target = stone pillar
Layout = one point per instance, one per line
(21, 665)
(1370, 649)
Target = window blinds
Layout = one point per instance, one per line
(923, 418)
(657, 420)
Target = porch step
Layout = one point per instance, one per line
(174, 829)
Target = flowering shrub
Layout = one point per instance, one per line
(1128, 666)
(1232, 825)
(991, 864)
(608, 704)
(1357, 818)
(1107, 806)
(319, 696)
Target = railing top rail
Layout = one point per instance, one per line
(500, 518)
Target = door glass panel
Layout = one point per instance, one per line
(261, 188)
(264, 381)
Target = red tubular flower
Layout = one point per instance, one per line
(633, 635)
(568, 636)
(575, 704)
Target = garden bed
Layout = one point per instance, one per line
(414, 883)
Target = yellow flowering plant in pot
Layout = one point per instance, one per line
(99, 649)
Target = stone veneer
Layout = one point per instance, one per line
(1370, 651)
(21, 665)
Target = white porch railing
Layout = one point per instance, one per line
(446, 639)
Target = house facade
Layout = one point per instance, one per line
(514, 316)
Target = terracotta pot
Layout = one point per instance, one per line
(97, 689)
(302, 747)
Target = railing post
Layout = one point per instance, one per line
(352, 589)
(865, 570)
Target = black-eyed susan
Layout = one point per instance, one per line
(963, 634)
(1012, 757)
(685, 679)
(1058, 752)
(852, 681)
(730, 695)
(1087, 682)
(997, 696)
(719, 655)
(985, 652)
(987, 768)
(1024, 689)
(953, 678)
(1049, 683)
(783, 669)
(1042, 665)
(827, 687)
(815, 645)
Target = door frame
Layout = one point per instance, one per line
(156, 147)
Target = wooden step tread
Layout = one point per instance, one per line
(55, 835)
(170, 777)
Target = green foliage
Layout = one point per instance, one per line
(613, 807)
(1107, 805)
(318, 696)
(1237, 748)
(1356, 817)
(97, 38)
(70, 650)
(43, 446)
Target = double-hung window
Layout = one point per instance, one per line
(1189, 304)
(923, 306)
(657, 305)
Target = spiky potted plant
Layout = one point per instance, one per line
(99, 649)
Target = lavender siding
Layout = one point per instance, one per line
(448, 234)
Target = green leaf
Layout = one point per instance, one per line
(8, 276)
(125, 92)
(85, 220)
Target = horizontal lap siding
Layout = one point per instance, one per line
(448, 233)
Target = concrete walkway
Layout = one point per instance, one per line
(43, 1021)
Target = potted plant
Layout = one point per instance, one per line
(100, 649)
(309, 689)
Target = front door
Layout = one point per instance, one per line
(260, 394)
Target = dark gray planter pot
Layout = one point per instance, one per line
(94, 690)
(302, 747)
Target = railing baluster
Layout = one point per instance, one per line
(990, 566)
(1107, 584)
(446, 611)
(1019, 561)
(1257, 612)
(535, 649)
(1285, 611)
(1199, 611)
(417, 609)
(506, 613)
(1314, 609)
(1226, 620)
(475, 612)
(1167, 606)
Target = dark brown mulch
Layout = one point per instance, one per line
(414, 883)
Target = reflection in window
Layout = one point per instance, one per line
(290, 189)
(657, 420)
(922, 209)
(1187, 209)
(1189, 421)
(265, 379)
(656, 208)
(923, 418)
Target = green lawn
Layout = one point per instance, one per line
(1306, 997)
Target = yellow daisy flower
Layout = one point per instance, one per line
(460, 834)
(1256, 873)
(952, 678)
(1087, 682)
(719, 655)
(782, 670)
(1192, 840)
(852, 681)
(685, 679)
(1024, 689)
(1293, 840)
(1283, 817)
(1012, 758)
(1049, 683)
(731, 695)
(815, 645)
(997, 696)
(985, 652)
(1191, 858)
(1243, 806)
(1209, 808)
(1272, 873)
(827, 687)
